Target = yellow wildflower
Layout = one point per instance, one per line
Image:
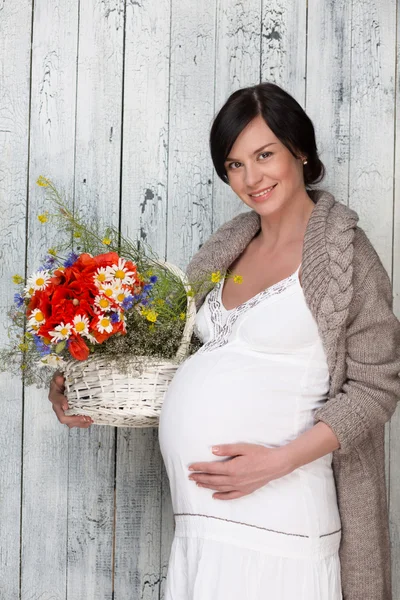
(149, 273)
(23, 366)
(160, 301)
(17, 279)
(77, 234)
(106, 241)
(182, 316)
(52, 251)
(24, 347)
(44, 217)
(238, 279)
(190, 293)
(216, 276)
(151, 316)
(43, 181)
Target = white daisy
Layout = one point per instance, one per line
(121, 273)
(91, 338)
(103, 303)
(81, 324)
(36, 320)
(52, 360)
(108, 289)
(28, 291)
(121, 293)
(101, 276)
(105, 325)
(39, 280)
(61, 332)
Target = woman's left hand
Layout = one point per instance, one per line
(251, 467)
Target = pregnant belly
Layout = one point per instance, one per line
(228, 397)
(223, 398)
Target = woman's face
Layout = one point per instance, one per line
(262, 171)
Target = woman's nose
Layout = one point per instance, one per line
(253, 175)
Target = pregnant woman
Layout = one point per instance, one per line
(273, 432)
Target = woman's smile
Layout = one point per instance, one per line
(262, 194)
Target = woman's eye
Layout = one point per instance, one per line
(234, 163)
(265, 154)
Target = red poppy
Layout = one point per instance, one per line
(77, 348)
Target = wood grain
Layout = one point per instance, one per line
(139, 549)
(393, 456)
(373, 42)
(237, 65)
(45, 441)
(97, 193)
(15, 40)
(328, 91)
(191, 111)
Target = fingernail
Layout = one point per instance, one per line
(215, 448)
(65, 406)
(191, 469)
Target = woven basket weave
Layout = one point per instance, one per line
(96, 388)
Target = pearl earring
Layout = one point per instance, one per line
(305, 162)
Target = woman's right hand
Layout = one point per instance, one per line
(60, 404)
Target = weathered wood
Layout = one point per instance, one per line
(138, 519)
(372, 119)
(283, 47)
(138, 548)
(328, 89)
(15, 41)
(237, 65)
(97, 193)
(393, 458)
(372, 129)
(45, 443)
(191, 112)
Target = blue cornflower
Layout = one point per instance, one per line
(114, 317)
(19, 300)
(153, 278)
(42, 348)
(49, 262)
(127, 303)
(71, 258)
(147, 287)
(145, 301)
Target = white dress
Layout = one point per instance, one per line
(258, 378)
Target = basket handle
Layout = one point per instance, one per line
(190, 312)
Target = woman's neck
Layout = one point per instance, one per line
(287, 226)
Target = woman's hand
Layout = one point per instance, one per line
(60, 404)
(251, 467)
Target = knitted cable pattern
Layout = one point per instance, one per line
(339, 246)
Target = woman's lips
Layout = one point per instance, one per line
(265, 195)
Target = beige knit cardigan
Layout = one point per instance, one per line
(349, 294)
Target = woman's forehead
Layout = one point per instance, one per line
(254, 136)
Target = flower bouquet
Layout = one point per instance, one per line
(117, 322)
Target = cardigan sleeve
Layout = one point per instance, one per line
(369, 395)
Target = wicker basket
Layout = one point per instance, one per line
(95, 388)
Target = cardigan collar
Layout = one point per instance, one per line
(327, 261)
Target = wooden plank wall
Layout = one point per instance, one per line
(113, 99)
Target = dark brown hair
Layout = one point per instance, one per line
(283, 115)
